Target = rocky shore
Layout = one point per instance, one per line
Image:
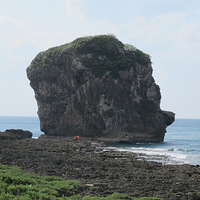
(106, 171)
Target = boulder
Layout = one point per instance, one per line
(15, 134)
(98, 87)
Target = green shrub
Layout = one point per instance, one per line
(100, 54)
(16, 185)
(105, 53)
(147, 198)
(111, 197)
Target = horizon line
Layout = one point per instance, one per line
(38, 116)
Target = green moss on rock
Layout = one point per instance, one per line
(100, 54)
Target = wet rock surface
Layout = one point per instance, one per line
(106, 172)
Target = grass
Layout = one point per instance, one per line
(100, 54)
(16, 185)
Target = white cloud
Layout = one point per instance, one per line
(69, 5)
(189, 32)
(6, 19)
(171, 36)
(73, 8)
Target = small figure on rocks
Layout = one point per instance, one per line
(76, 138)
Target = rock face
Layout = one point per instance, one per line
(98, 87)
(15, 134)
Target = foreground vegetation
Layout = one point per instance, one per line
(16, 185)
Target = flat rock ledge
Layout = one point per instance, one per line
(15, 134)
(102, 172)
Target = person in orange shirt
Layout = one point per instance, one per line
(76, 138)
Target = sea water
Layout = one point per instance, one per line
(26, 123)
(181, 144)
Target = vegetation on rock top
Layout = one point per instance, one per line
(100, 54)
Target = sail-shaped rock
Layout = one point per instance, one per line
(98, 87)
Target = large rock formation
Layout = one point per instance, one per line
(98, 87)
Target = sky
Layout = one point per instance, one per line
(169, 31)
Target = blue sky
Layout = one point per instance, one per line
(167, 30)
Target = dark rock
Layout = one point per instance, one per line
(15, 134)
(98, 87)
(101, 173)
(64, 192)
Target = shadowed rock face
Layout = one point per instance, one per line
(99, 87)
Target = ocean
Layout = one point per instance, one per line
(26, 123)
(181, 144)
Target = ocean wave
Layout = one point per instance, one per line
(160, 155)
(182, 150)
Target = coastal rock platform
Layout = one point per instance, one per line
(107, 171)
